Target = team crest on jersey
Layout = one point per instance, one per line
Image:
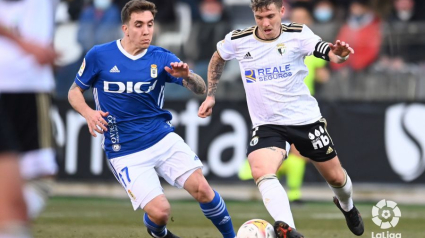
(154, 71)
(83, 66)
(116, 147)
(250, 76)
(281, 48)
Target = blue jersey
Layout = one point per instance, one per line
(131, 89)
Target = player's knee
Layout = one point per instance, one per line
(204, 192)
(336, 180)
(161, 214)
(257, 172)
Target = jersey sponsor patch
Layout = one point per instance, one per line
(83, 66)
(250, 76)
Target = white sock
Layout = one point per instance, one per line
(276, 200)
(344, 194)
(36, 193)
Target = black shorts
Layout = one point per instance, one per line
(28, 119)
(8, 141)
(312, 140)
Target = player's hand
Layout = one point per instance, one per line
(96, 122)
(43, 54)
(341, 48)
(178, 69)
(205, 110)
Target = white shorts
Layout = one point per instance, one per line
(170, 158)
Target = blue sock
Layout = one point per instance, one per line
(217, 212)
(157, 230)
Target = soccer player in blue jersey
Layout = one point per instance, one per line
(128, 78)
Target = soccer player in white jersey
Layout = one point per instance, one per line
(128, 78)
(26, 84)
(271, 59)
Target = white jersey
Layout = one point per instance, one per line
(273, 74)
(33, 20)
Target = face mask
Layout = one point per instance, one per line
(211, 17)
(102, 4)
(323, 14)
(404, 15)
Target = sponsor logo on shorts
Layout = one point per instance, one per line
(254, 141)
(131, 194)
(319, 139)
(196, 158)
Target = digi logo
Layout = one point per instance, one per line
(250, 76)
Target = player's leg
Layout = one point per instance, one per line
(314, 142)
(13, 214)
(340, 183)
(182, 169)
(30, 119)
(137, 174)
(294, 166)
(211, 203)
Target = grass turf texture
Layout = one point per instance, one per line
(67, 217)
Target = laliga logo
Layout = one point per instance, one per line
(405, 140)
(386, 214)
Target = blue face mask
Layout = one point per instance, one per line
(210, 17)
(323, 14)
(102, 4)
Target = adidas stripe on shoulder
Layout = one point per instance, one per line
(242, 33)
(293, 27)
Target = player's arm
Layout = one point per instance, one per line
(194, 83)
(215, 70)
(191, 81)
(94, 118)
(337, 53)
(43, 55)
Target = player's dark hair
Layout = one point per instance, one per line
(136, 6)
(260, 4)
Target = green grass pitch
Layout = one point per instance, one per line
(67, 217)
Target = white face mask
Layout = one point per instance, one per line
(404, 15)
(102, 4)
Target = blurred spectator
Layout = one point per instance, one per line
(327, 24)
(206, 32)
(362, 32)
(74, 8)
(404, 39)
(405, 11)
(99, 23)
(194, 8)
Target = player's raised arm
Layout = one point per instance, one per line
(94, 118)
(215, 69)
(191, 81)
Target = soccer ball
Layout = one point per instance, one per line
(256, 228)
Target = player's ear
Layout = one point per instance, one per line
(282, 10)
(124, 28)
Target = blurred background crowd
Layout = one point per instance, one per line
(388, 37)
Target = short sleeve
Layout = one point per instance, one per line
(88, 70)
(171, 79)
(225, 48)
(308, 41)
